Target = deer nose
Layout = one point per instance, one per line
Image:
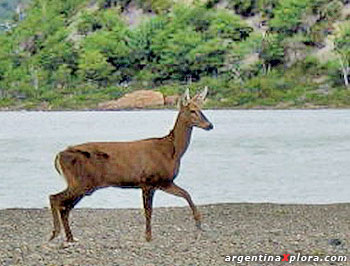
(210, 127)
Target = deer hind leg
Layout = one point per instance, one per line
(147, 195)
(180, 192)
(61, 204)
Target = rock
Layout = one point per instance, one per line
(44, 106)
(250, 59)
(345, 11)
(334, 242)
(134, 15)
(320, 79)
(294, 52)
(307, 21)
(284, 105)
(136, 99)
(171, 99)
(28, 45)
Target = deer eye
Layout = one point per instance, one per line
(193, 112)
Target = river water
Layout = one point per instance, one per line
(292, 156)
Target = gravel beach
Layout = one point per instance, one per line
(116, 236)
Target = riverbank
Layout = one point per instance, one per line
(155, 100)
(116, 236)
(210, 107)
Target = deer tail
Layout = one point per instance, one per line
(57, 164)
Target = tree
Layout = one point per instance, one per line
(243, 7)
(228, 26)
(93, 67)
(342, 48)
(272, 51)
(288, 16)
(62, 77)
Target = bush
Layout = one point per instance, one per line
(288, 15)
(228, 26)
(197, 17)
(89, 23)
(93, 67)
(244, 7)
(272, 51)
(67, 7)
(311, 64)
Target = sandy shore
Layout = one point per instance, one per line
(116, 236)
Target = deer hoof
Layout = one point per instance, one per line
(67, 244)
(199, 226)
(54, 235)
(148, 237)
(72, 240)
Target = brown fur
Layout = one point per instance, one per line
(148, 164)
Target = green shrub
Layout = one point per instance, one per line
(228, 26)
(310, 64)
(272, 51)
(197, 17)
(244, 7)
(171, 89)
(93, 66)
(89, 23)
(288, 16)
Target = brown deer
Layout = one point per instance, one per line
(149, 164)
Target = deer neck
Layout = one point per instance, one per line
(181, 136)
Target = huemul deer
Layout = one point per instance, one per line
(149, 164)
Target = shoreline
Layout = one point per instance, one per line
(116, 236)
(316, 108)
(335, 204)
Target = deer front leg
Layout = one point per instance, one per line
(56, 218)
(147, 195)
(68, 205)
(180, 192)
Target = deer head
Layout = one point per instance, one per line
(190, 110)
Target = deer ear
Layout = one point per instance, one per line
(185, 98)
(200, 97)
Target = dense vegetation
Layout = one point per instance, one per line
(75, 53)
(7, 9)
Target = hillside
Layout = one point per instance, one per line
(8, 9)
(74, 54)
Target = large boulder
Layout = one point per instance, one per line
(171, 100)
(136, 99)
(294, 52)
